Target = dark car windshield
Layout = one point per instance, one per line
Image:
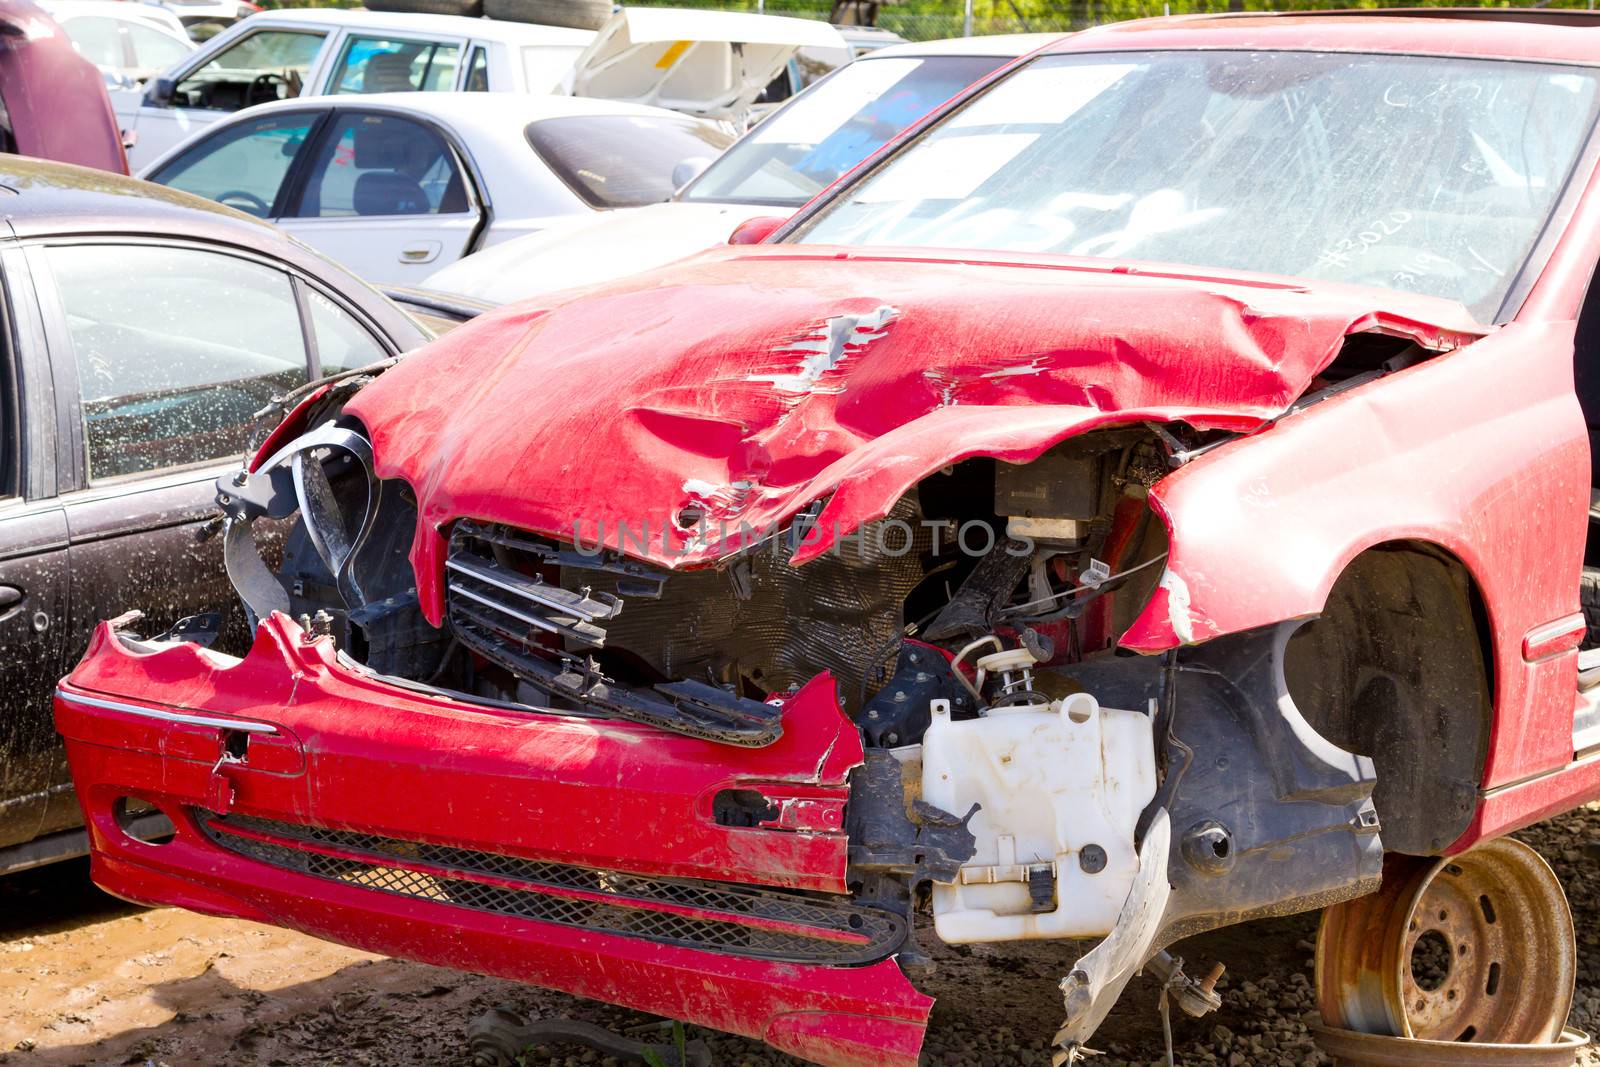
(804, 148)
(626, 160)
(1432, 175)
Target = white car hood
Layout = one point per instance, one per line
(611, 244)
(710, 63)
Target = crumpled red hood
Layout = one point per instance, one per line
(749, 382)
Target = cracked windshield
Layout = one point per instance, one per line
(1288, 163)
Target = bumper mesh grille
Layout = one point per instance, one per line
(728, 919)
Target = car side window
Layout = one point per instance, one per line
(10, 425)
(176, 349)
(152, 49)
(96, 39)
(265, 66)
(342, 342)
(242, 166)
(382, 165)
(782, 87)
(477, 71)
(387, 65)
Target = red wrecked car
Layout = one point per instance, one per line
(53, 102)
(1149, 495)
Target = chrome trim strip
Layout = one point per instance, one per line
(1554, 638)
(1579, 759)
(167, 716)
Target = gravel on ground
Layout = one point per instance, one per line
(85, 979)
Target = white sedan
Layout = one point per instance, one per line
(396, 185)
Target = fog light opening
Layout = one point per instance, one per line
(142, 821)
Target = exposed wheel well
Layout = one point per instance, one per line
(1399, 667)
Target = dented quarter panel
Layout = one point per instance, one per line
(753, 381)
(1482, 451)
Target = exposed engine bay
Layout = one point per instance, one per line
(1023, 779)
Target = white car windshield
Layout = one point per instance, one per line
(1431, 175)
(804, 148)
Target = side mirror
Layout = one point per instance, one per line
(160, 92)
(754, 231)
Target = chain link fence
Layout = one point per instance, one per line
(926, 20)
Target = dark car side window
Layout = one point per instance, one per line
(176, 349)
(478, 71)
(10, 408)
(342, 342)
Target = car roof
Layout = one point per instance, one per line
(1492, 33)
(1009, 45)
(466, 110)
(412, 22)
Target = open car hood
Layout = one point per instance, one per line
(747, 383)
(711, 63)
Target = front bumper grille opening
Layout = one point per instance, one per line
(775, 625)
(760, 626)
(509, 617)
(730, 919)
(520, 607)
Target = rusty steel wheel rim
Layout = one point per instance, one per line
(1350, 1049)
(1477, 947)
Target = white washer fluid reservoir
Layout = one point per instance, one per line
(1060, 787)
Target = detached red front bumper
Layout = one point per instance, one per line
(594, 857)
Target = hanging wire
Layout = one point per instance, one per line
(1107, 580)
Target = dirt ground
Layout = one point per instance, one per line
(86, 979)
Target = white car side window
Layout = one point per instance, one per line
(389, 65)
(383, 165)
(244, 165)
(265, 66)
(154, 50)
(98, 40)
